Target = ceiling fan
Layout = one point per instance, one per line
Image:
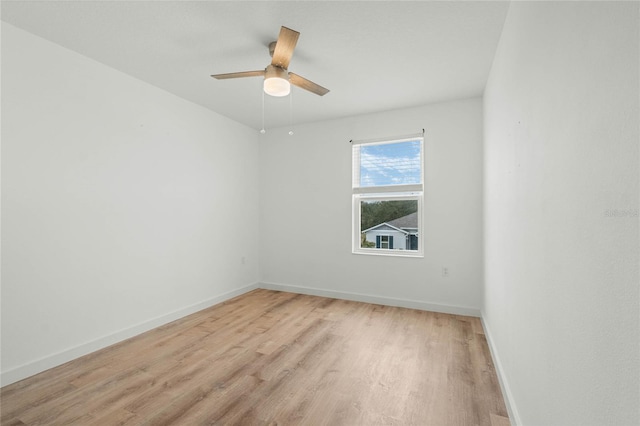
(277, 78)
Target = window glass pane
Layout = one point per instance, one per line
(395, 163)
(389, 224)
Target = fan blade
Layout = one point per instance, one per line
(239, 74)
(305, 84)
(284, 47)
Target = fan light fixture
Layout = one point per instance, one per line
(276, 86)
(276, 81)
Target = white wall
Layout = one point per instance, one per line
(123, 206)
(561, 157)
(306, 210)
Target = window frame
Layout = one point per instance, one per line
(386, 193)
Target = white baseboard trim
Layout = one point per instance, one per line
(50, 361)
(368, 298)
(514, 417)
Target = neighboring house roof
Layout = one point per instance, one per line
(400, 224)
(384, 226)
(409, 221)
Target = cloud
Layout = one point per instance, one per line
(390, 164)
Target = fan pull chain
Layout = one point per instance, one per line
(291, 112)
(263, 131)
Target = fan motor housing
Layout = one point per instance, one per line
(273, 71)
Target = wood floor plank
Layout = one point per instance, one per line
(270, 357)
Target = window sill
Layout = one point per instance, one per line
(389, 253)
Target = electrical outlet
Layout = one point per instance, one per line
(445, 271)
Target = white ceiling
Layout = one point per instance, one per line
(373, 56)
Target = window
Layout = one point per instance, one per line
(387, 196)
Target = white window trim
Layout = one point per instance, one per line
(357, 232)
(389, 192)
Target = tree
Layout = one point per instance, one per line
(373, 213)
(366, 244)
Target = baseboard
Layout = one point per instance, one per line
(514, 417)
(50, 361)
(368, 298)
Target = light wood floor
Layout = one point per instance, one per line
(276, 358)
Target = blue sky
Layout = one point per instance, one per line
(390, 164)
